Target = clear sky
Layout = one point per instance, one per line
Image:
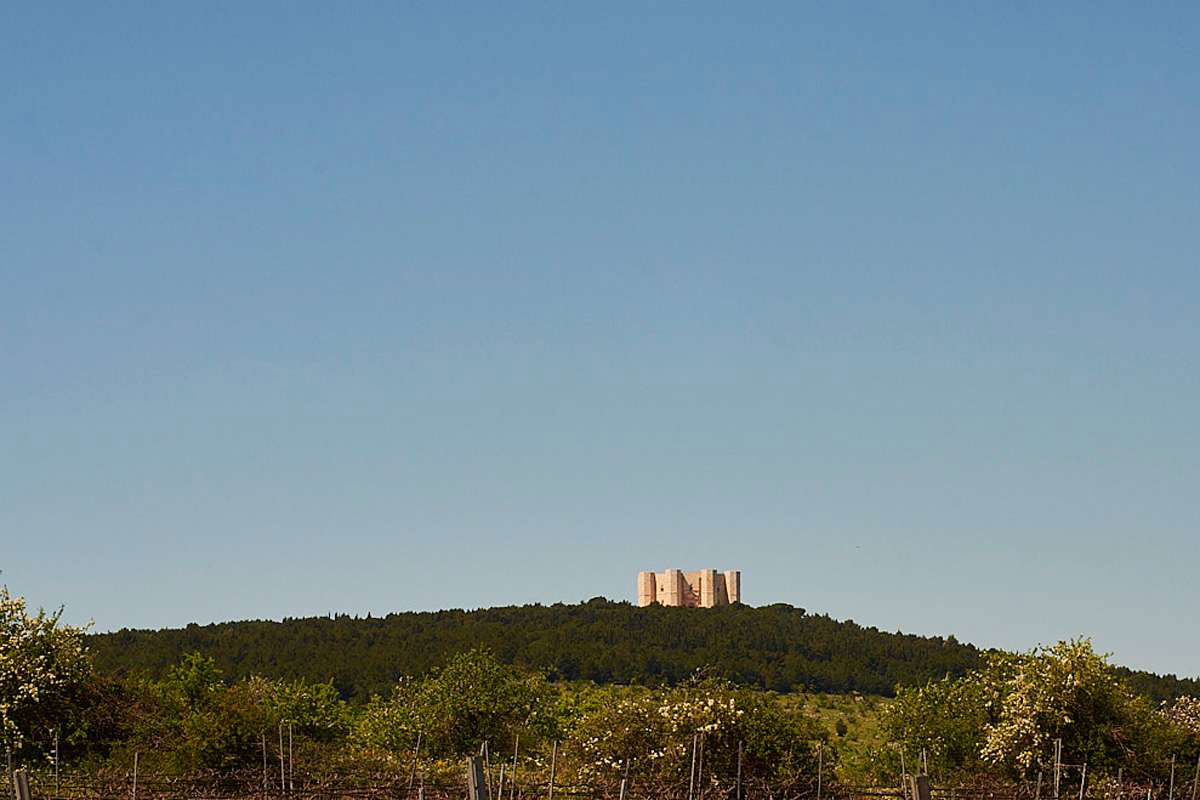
(312, 308)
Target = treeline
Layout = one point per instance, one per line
(776, 647)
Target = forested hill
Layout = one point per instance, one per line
(777, 647)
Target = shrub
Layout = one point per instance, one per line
(653, 733)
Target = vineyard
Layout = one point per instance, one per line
(1057, 722)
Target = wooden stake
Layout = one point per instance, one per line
(282, 776)
(700, 770)
(486, 752)
(1171, 792)
(56, 781)
(477, 788)
(739, 773)
(21, 785)
(1037, 794)
(135, 766)
(512, 792)
(553, 764)
(820, 759)
(412, 773)
(1057, 766)
(1082, 781)
(291, 761)
(1196, 778)
(692, 768)
(264, 749)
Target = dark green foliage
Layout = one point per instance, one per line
(775, 647)
(1159, 688)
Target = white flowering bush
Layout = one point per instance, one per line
(1067, 691)
(653, 733)
(1185, 714)
(1006, 717)
(43, 667)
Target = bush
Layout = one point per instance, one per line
(472, 700)
(652, 733)
(1006, 718)
(44, 674)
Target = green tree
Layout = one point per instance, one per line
(314, 709)
(946, 720)
(473, 699)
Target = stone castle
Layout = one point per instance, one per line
(703, 589)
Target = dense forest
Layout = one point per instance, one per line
(776, 647)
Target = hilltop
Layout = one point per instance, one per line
(777, 647)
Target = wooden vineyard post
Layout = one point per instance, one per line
(1057, 766)
(1196, 778)
(412, 772)
(512, 779)
(264, 751)
(553, 764)
(21, 785)
(739, 776)
(1082, 781)
(282, 773)
(1171, 791)
(820, 760)
(291, 762)
(692, 769)
(135, 766)
(624, 780)
(486, 752)
(477, 788)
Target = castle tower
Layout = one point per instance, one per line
(647, 591)
(673, 593)
(707, 588)
(733, 585)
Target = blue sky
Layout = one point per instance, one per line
(408, 306)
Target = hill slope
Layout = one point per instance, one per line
(777, 647)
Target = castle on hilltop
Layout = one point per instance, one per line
(703, 589)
